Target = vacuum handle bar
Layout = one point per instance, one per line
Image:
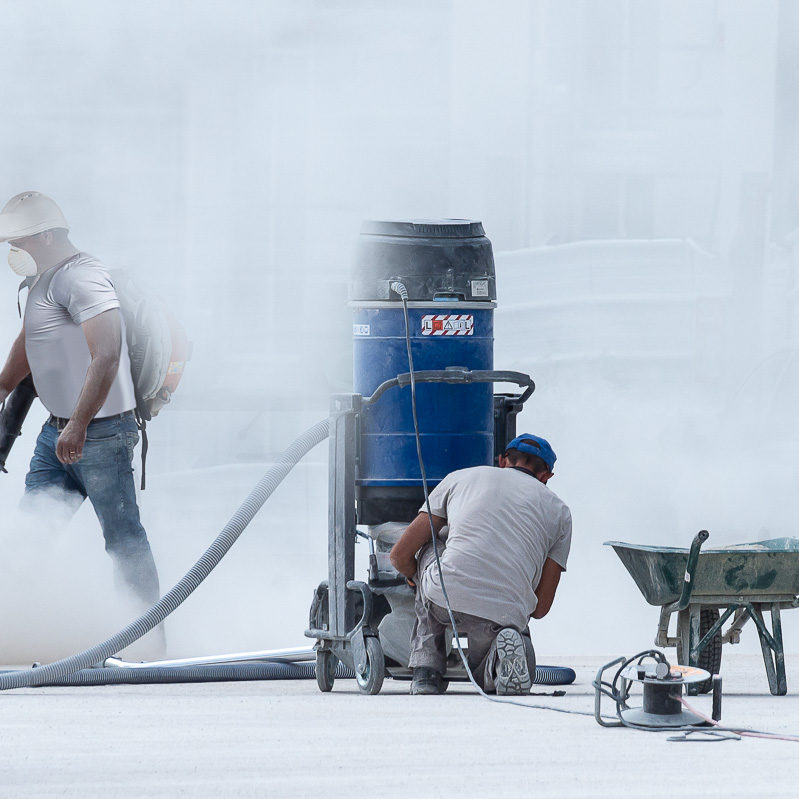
(456, 374)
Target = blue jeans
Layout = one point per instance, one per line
(105, 475)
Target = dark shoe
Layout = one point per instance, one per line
(427, 681)
(513, 676)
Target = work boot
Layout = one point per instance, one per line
(427, 681)
(513, 676)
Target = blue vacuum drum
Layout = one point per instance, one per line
(447, 267)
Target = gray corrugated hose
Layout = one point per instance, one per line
(188, 583)
(218, 672)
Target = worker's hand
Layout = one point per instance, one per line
(411, 583)
(69, 448)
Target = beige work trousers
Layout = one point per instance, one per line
(432, 625)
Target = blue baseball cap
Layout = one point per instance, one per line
(533, 445)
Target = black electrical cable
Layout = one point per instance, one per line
(400, 289)
(605, 688)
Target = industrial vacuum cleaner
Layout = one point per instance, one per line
(421, 288)
(446, 268)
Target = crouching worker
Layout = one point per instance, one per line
(508, 538)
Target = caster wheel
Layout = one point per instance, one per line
(371, 681)
(326, 663)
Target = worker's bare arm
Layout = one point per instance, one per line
(16, 367)
(417, 534)
(104, 336)
(547, 585)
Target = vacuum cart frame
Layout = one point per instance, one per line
(345, 612)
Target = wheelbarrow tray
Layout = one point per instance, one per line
(762, 571)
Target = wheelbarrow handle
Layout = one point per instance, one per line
(690, 568)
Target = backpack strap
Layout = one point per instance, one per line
(145, 445)
(26, 284)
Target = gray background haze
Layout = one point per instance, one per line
(635, 164)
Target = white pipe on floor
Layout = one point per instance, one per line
(283, 655)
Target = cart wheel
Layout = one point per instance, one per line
(326, 663)
(372, 679)
(710, 656)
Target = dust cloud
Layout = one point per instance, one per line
(634, 164)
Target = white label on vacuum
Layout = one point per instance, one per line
(479, 288)
(449, 324)
(361, 330)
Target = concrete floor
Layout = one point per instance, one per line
(286, 739)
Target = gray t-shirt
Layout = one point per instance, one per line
(59, 302)
(503, 524)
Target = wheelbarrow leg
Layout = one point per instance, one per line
(662, 637)
(779, 652)
(772, 648)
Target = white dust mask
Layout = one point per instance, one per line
(21, 262)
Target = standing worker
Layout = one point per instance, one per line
(507, 543)
(73, 344)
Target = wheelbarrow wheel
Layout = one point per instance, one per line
(326, 663)
(371, 681)
(710, 657)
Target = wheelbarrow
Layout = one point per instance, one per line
(705, 590)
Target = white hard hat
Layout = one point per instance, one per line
(29, 213)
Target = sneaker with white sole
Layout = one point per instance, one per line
(512, 674)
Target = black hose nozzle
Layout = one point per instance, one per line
(15, 409)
